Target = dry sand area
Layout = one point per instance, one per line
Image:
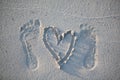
(59, 39)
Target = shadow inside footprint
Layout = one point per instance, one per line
(29, 36)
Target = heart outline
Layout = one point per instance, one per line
(59, 37)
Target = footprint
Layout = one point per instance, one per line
(83, 52)
(58, 43)
(86, 41)
(29, 37)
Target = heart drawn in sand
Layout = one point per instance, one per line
(58, 43)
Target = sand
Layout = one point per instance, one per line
(59, 40)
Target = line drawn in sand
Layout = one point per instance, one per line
(59, 44)
(73, 51)
(29, 36)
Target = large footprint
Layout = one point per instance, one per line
(29, 36)
(83, 52)
(59, 44)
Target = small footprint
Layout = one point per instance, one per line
(29, 37)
